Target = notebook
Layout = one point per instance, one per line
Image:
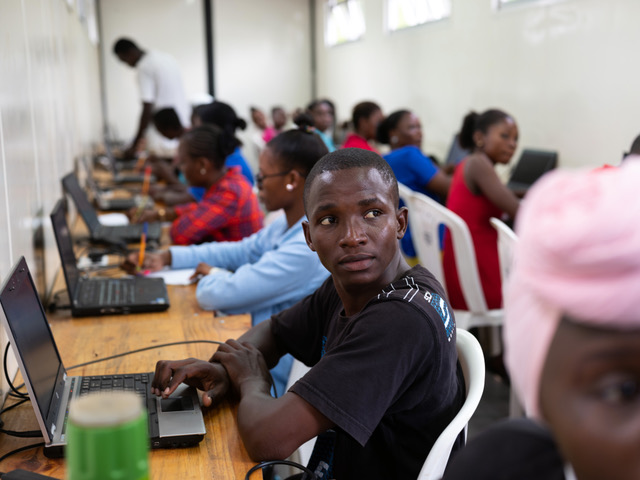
(530, 167)
(173, 422)
(112, 235)
(104, 200)
(103, 296)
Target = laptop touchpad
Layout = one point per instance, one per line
(176, 404)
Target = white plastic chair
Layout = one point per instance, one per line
(425, 217)
(303, 453)
(507, 240)
(472, 362)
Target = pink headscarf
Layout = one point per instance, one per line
(578, 254)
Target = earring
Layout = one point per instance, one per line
(203, 171)
(289, 187)
(394, 140)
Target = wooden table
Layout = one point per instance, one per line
(220, 455)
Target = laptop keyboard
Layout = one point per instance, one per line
(117, 291)
(140, 383)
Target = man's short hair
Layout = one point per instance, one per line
(124, 45)
(348, 158)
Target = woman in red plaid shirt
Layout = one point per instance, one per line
(229, 209)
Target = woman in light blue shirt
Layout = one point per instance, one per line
(272, 269)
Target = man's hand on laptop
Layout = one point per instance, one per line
(245, 366)
(152, 262)
(211, 378)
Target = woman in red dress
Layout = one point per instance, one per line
(365, 118)
(477, 194)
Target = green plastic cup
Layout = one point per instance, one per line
(107, 438)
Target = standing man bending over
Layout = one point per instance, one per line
(160, 85)
(378, 334)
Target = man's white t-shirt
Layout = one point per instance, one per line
(160, 83)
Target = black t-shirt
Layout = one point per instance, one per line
(518, 449)
(387, 376)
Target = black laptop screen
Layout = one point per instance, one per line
(86, 210)
(33, 339)
(65, 247)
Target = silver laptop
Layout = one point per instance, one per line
(173, 422)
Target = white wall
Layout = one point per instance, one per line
(49, 114)
(261, 53)
(172, 26)
(565, 70)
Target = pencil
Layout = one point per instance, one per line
(143, 245)
(146, 181)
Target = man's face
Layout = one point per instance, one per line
(590, 397)
(129, 58)
(354, 226)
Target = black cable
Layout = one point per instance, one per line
(308, 474)
(22, 434)
(152, 347)
(6, 374)
(21, 449)
(17, 404)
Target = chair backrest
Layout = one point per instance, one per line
(471, 360)
(507, 240)
(425, 220)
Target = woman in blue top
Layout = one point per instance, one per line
(272, 269)
(403, 132)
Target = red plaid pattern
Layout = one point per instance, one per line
(228, 211)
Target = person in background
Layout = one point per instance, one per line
(224, 116)
(160, 84)
(403, 132)
(365, 118)
(572, 335)
(476, 195)
(272, 269)
(229, 209)
(384, 376)
(323, 115)
(279, 119)
(174, 189)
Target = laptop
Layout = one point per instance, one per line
(105, 201)
(103, 296)
(530, 167)
(173, 422)
(456, 152)
(112, 235)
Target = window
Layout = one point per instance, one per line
(344, 21)
(409, 13)
(498, 4)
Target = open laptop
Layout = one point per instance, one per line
(103, 296)
(530, 167)
(111, 235)
(173, 422)
(456, 152)
(104, 199)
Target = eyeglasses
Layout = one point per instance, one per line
(260, 177)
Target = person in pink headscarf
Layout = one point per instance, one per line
(572, 335)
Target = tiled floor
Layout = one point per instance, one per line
(494, 405)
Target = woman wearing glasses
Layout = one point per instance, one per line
(272, 269)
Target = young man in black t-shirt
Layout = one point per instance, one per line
(379, 336)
